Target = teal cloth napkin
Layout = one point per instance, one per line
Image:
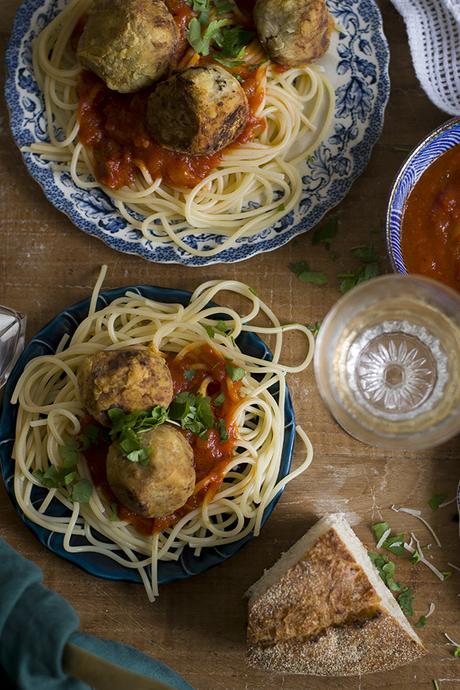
(35, 626)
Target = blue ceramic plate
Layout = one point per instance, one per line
(436, 143)
(357, 64)
(45, 343)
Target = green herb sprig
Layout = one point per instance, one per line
(304, 274)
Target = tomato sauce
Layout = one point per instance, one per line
(430, 232)
(211, 454)
(113, 126)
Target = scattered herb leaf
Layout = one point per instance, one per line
(314, 327)
(189, 374)
(326, 233)
(222, 429)
(405, 600)
(235, 373)
(219, 400)
(421, 622)
(436, 500)
(82, 491)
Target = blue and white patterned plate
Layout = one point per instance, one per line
(45, 342)
(357, 64)
(436, 143)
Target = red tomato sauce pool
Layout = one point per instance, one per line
(430, 231)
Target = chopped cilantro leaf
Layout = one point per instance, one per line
(88, 437)
(367, 255)
(235, 373)
(202, 43)
(405, 600)
(457, 652)
(69, 453)
(421, 622)
(446, 574)
(436, 500)
(189, 374)
(210, 331)
(233, 40)
(82, 491)
(379, 529)
(224, 6)
(69, 478)
(326, 233)
(113, 515)
(222, 429)
(223, 327)
(314, 327)
(313, 277)
(415, 558)
(219, 400)
(299, 267)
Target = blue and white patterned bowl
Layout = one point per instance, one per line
(436, 143)
(45, 342)
(357, 64)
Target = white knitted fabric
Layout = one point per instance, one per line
(433, 27)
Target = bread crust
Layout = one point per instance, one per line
(323, 616)
(377, 644)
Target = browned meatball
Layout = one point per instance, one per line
(198, 111)
(128, 43)
(293, 32)
(163, 484)
(132, 379)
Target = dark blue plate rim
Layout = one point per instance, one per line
(45, 342)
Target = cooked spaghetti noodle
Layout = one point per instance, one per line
(255, 184)
(51, 410)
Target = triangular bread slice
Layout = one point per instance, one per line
(323, 609)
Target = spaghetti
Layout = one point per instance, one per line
(51, 411)
(256, 182)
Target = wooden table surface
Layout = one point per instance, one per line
(198, 626)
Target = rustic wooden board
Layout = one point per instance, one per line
(198, 626)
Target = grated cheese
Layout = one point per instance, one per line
(429, 565)
(383, 538)
(418, 515)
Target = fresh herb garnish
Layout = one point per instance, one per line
(82, 491)
(326, 233)
(314, 327)
(113, 515)
(415, 557)
(235, 373)
(219, 400)
(222, 429)
(233, 40)
(223, 327)
(386, 569)
(224, 6)
(69, 453)
(436, 500)
(213, 34)
(127, 427)
(394, 544)
(303, 273)
(189, 374)
(369, 269)
(446, 574)
(405, 600)
(421, 622)
(192, 412)
(457, 652)
(210, 331)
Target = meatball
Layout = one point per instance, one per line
(161, 486)
(128, 43)
(132, 379)
(198, 111)
(293, 32)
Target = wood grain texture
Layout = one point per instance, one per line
(198, 626)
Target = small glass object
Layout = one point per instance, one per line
(387, 362)
(12, 334)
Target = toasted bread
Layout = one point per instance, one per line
(323, 610)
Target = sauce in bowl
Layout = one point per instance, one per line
(430, 227)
